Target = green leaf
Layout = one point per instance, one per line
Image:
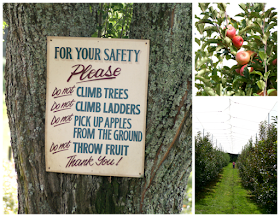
(200, 27)
(227, 41)
(233, 50)
(229, 93)
(262, 55)
(219, 48)
(270, 26)
(222, 6)
(257, 73)
(270, 91)
(254, 15)
(268, 12)
(254, 37)
(243, 6)
(261, 84)
(239, 93)
(204, 21)
(202, 61)
(228, 57)
(219, 89)
(265, 37)
(197, 17)
(265, 77)
(204, 80)
(209, 41)
(240, 15)
(214, 72)
(246, 73)
(203, 71)
(197, 41)
(245, 30)
(203, 6)
(210, 91)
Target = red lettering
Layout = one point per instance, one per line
(75, 71)
(89, 73)
(56, 91)
(65, 105)
(62, 147)
(117, 70)
(53, 147)
(59, 121)
(78, 162)
(109, 71)
(103, 161)
(55, 106)
(66, 92)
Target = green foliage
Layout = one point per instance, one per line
(257, 28)
(258, 167)
(10, 202)
(209, 161)
(114, 20)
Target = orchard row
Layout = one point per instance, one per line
(257, 166)
(209, 161)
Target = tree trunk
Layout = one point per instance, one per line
(168, 132)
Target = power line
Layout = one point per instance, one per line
(251, 105)
(229, 138)
(246, 119)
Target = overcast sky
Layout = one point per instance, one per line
(232, 121)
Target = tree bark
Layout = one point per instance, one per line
(169, 112)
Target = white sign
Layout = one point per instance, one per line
(96, 106)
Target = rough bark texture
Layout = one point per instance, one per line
(168, 133)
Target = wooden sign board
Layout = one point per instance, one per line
(96, 106)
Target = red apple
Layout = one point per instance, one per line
(237, 41)
(242, 57)
(230, 31)
(274, 62)
(250, 69)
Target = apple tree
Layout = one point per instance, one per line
(248, 41)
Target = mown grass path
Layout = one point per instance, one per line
(227, 196)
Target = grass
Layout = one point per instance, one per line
(226, 196)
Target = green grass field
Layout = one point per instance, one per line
(226, 196)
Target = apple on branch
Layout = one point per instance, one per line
(250, 69)
(237, 41)
(230, 32)
(243, 57)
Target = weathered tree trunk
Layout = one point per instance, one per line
(168, 133)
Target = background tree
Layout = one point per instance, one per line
(256, 27)
(168, 131)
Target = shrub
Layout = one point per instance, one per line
(209, 161)
(258, 167)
